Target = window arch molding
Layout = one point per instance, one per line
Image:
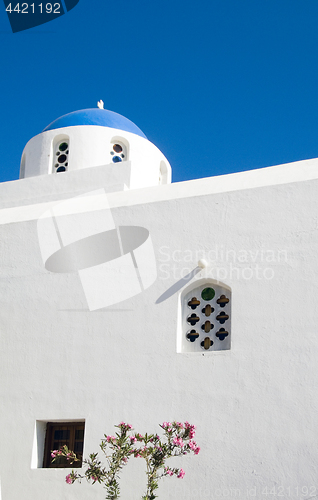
(204, 317)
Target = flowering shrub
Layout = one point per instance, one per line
(64, 455)
(177, 441)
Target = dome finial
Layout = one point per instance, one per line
(100, 104)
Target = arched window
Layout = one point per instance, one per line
(205, 318)
(61, 153)
(118, 150)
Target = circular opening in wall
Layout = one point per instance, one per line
(56, 165)
(207, 326)
(193, 319)
(57, 153)
(62, 158)
(208, 293)
(117, 159)
(222, 334)
(61, 169)
(222, 301)
(63, 146)
(207, 343)
(123, 156)
(117, 148)
(193, 303)
(192, 335)
(208, 310)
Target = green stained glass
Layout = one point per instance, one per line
(207, 293)
(63, 146)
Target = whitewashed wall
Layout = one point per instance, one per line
(255, 406)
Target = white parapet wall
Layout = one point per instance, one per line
(254, 403)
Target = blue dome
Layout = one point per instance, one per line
(96, 116)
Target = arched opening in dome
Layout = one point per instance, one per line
(60, 154)
(119, 149)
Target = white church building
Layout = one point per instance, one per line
(126, 297)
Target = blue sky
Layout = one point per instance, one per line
(219, 86)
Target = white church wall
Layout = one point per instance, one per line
(254, 405)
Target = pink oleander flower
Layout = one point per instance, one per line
(110, 439)
(132, 439)
(191, 429)
(125, 459)
(168, 471)
(178, 441)
(179, 424)
(123, 424)
(54, 453)
(165, 425)
(196, 451)
(181, 473)
(94, 478)
(192, 445)
(69, 479)
(139, 437)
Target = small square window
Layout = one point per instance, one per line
(59, 434)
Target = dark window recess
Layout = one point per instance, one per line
(62, 158)
(207, 343)
(222, 317)
(117, 148)
(193, 303)
(221, 334)
(193, 319)
(63, 146)
(192, 335)
(59, 434)
(222, 301)
(207, 326)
